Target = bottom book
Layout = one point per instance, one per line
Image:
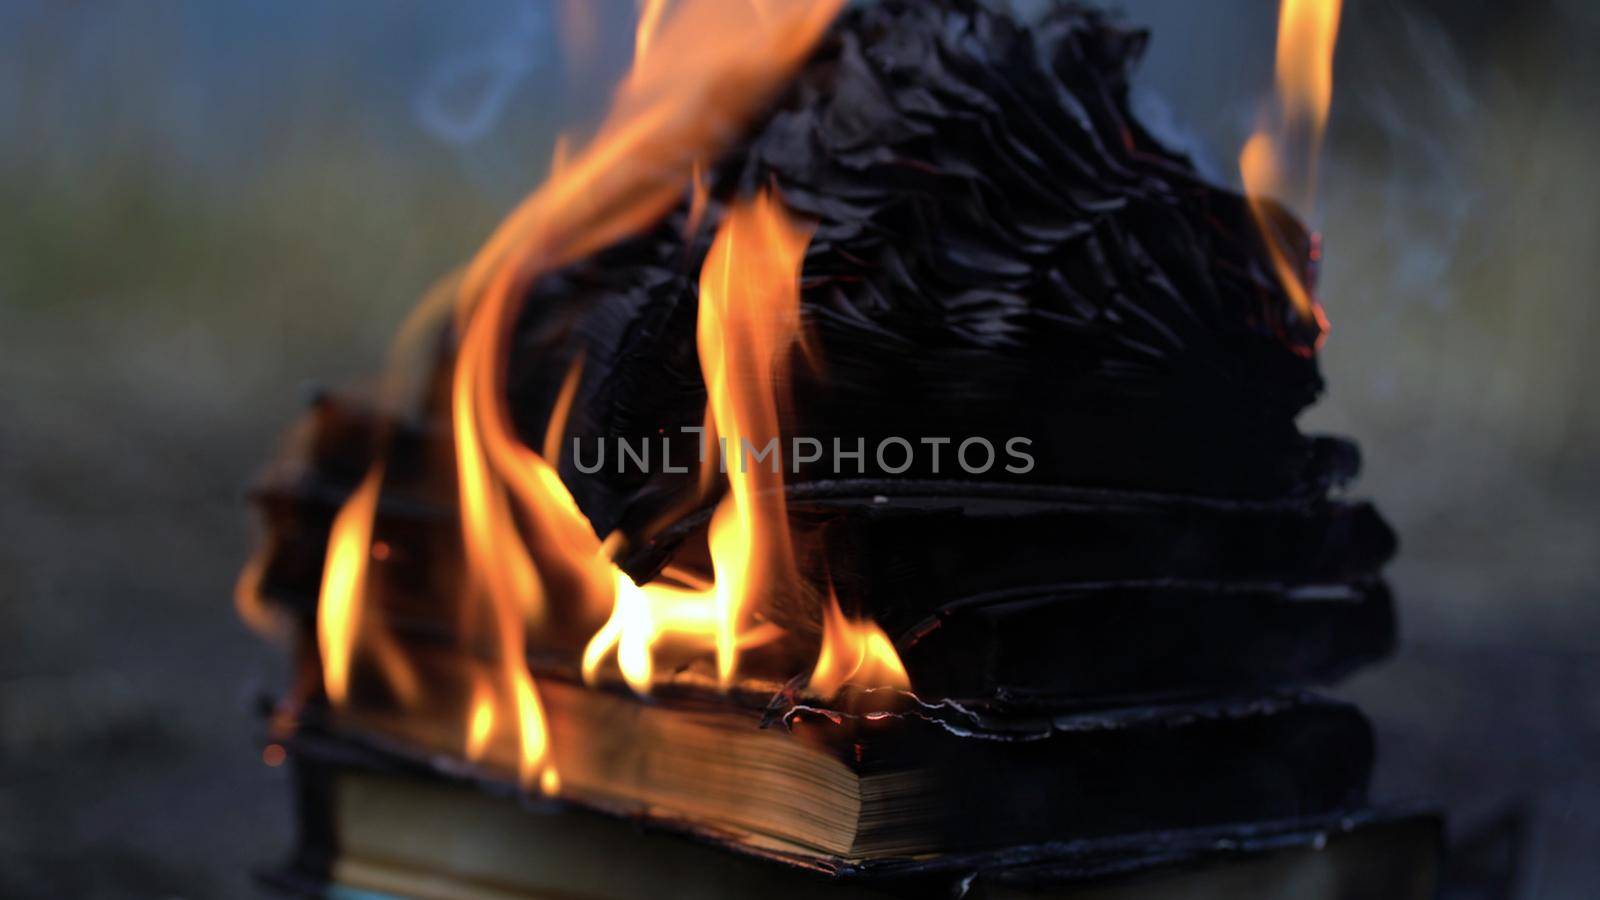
(370, 833)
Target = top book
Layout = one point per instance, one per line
(1049, 384)
(1002, 255)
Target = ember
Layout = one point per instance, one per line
(927, 225)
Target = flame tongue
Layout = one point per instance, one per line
(480, 720)
(344, 578)
(1280, 158)
(342, 622)
(854, 652)
(535, 566)
(1307, 30)
(536, 569)
(709, 67)
(749, 319)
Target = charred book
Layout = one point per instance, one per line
(871, 464)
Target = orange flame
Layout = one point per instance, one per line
(557, 426)
(854, 652)
(650, 12)
(703, 68)
(247, 599)
(709, 67)
(699, 195)
(533, 739)
(340, 604)
(500, 566)
(1280, 159)
(480, 720)
(1307, 31)
(749, 319)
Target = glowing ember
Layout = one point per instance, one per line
(274, 755)
(1280, 158)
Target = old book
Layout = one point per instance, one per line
(403, 835)
(898, 777)
(1000, 252)
(992, 593)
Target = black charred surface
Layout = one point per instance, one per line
(1000, 251)
(1016, 596)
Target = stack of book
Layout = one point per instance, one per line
(1109, 650)
(1138, 729)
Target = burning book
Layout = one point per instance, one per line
(874, 454)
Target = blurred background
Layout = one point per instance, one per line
(207, 208)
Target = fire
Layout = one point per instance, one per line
(749, 319)
(480, 720)
(247, 600)
(343, 623)
(1280, 158)
(536, 570)
(343, 581)
(1307, 30)
(854, 652)
(533, 739)
(641, 617)
(710, 66)
(650, 12)
(701, 69)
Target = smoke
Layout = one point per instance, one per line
(1428, 195)
(1155, 113)
(464, 98)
